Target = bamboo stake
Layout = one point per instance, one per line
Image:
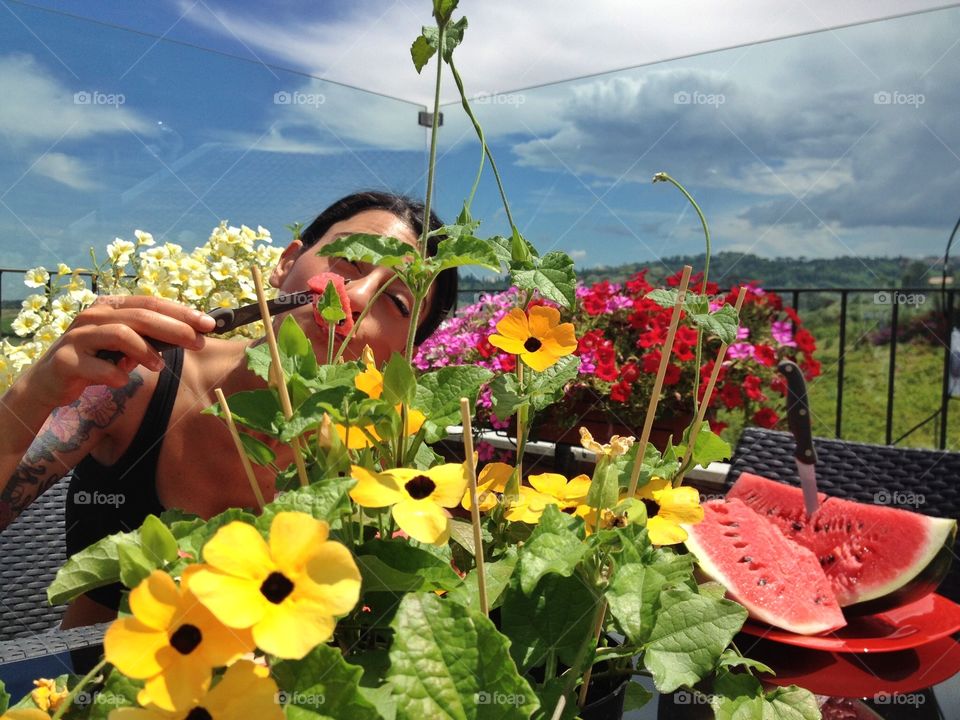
(658, 383)
(277, 369)
(248, 468)
(597, 628)
(474, 504)
(708, 395)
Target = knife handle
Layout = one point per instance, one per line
(798, 411)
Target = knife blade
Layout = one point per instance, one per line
(228, 319)
(798, 420)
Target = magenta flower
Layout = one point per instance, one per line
(741, 350)
(782, 331)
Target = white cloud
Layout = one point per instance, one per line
(577, 254)
(67, 170)
(38, 108)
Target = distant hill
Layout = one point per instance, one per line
(731, 268)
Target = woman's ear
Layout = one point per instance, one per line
(287, 259)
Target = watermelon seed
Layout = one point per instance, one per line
(731, 534)
(819, 599)
(746, 558)
(797, 527)
(762, 581)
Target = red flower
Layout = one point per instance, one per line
(629, 372)
(508, 362)
(651, 361)
(751, 386)
(805, 341)
(590, 340)
(485, 349)
(811, 368)
(638, 284)
(652, 338)
(778, 384)
(730, 396)
(792, 314)
(673, 374)
(606, 371)
(765, 355)
(765, 418)
(620, 392)
(717, 426)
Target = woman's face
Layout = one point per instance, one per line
(386, 325)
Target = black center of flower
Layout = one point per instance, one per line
(198, 713)
(186, 638)
(652, 507)
(420, 487)
(532, 345)
(276, 588)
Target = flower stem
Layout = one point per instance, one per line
(363, 314)
(84, 681)
(442, 26)
(330, 330)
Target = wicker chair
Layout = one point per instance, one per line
(862, 472)
(32, 549)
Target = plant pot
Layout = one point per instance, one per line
(605, 701)
(603, 425)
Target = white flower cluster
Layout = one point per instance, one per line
(216, 274)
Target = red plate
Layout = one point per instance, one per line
(930, 618)
(855, 675)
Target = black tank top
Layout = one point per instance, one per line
(103, 500)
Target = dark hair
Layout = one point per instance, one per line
(410, 212)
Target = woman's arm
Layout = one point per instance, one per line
(65, 404)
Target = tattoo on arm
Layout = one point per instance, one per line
(66, 429)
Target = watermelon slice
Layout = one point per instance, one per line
(318, 284)
(868, 552)
(779, 582)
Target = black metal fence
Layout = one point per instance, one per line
(894, 297)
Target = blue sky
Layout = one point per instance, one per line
(169, 116)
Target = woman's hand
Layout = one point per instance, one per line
(119, 324)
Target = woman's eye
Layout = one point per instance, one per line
(401, 305)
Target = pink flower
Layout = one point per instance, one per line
(782, 331)
(740, 350)
(743, 333)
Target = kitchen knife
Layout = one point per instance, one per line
(228, 319)
(798, 419)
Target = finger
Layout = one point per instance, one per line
(199, 321)
(183, 326)
(91, 340)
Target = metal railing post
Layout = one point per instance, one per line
(841, 353)
(891, 373)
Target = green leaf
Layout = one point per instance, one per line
(192, 539)
(546, 388)
(452, 36)
(553, 277)
(497, 575)
(520, 254)
(439, 392)
(157, 541)
(395, 566)
(558, 616)
(730, 658)
(790, 703)
(296, 351)
(554, 547)
(421, 51)
(323, 682)
(634, 598)
(689, 635)
(4, 698)
(447, 661)
(399, 381)
(90, 568)
(329, 305)
(324, 500)
(464, 250)
(663, 297)
(461, 532)
(374, 249)
(723, 323)
(256, 409)
(443, 9)
(505, 395)
(708, 448)
(712, 589)
(604, 491)
(637, 696)
(258, 451)
(135, 566)
(119, 691)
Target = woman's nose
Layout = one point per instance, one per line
(361, 291)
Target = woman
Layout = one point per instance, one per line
(134, 432)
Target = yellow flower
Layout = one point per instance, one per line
(538, 337)
(416, 497)
(288, 592)
(25, 714)
(667, 508)
(370, 381)
(171, 641)
(245, 691)
(492, 479)
(46, 696)
(617, 446)
(548, 489)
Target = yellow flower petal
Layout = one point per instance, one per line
(154, 601)
(293, 538)
(177, 686)
(664, 532)
(656, 483)
(332, 579)
(236, 602)
(292, 629)
(244, 693)
(370, 381)
(26, 714)
(451, 480)
(529, 506)
(541, 320)
(133, 647)
(561, 340)
(422, 520)
(492, 479)
(507, 344)
(514, 326)
(549, 483)
(679, 505)
(577, 489)
(239, 549)
(374, 490)
(353, 437)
